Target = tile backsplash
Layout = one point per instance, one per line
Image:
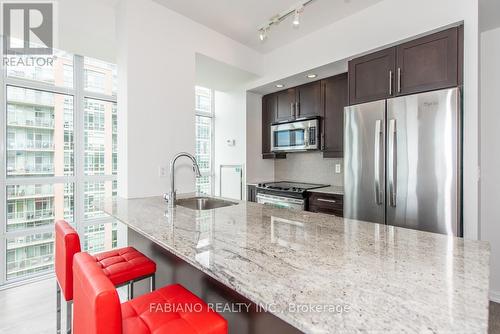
(309, 167)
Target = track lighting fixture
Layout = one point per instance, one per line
(296, 18)
(295, 12)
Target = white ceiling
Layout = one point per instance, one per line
(298, 79)
(489, 14)
(220, 76)
(240, 19)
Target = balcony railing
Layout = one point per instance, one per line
(32, 123)
(31, 145)
(31, 170)
(25, 194)
(15, 217)
(16, 267)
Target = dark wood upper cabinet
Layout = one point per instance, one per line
(325, 98)
(299, 102)
(371, 77)
(308, 100)
(335, 91)
(286, 105)
(269, 111)
(269, 107)
(428, 63)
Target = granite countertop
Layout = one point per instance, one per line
(335, 190)
(352, 276)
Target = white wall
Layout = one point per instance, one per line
(388, 23)
(230, 124)
(156, 55)
(490, 153)
(257, 168)
(87, 28)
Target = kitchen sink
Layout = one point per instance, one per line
(203, 203)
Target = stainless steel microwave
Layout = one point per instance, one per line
(300, 135)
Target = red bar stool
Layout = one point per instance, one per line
(171, 309)
(122, 266)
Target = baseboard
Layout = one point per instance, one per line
(495, 296)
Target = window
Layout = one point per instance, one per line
(99, 77)
(34, 118)
(204, 139)
(60, 74)
(43, 111)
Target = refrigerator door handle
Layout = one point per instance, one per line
(378, 140)
(392, 162)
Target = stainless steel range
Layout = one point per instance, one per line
(290, 195)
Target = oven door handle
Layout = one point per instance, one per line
(278, 201)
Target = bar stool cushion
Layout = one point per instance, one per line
(120, 265)
(171, 309)
(125, 264)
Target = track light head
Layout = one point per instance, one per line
(296, 18)
(263, 34)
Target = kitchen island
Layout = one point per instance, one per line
(321, 273)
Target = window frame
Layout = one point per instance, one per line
(211, 115)
(78, 178)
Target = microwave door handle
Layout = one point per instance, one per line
(306, 137)
(272, 139)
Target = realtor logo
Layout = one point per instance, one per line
(28, 28)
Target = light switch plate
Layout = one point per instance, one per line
(162, 171)
(338, 169)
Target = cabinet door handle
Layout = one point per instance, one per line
(390, 82)
(399, 79)
(326, 200)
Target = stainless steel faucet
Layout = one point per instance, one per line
(172, 195)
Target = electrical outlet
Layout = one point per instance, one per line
(162, 171)
(338, 169)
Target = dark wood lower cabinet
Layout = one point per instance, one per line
(170, 269)
(331, 204)
(251, 193)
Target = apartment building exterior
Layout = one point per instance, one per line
(40, 133)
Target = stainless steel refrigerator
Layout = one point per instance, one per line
(402, 160)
